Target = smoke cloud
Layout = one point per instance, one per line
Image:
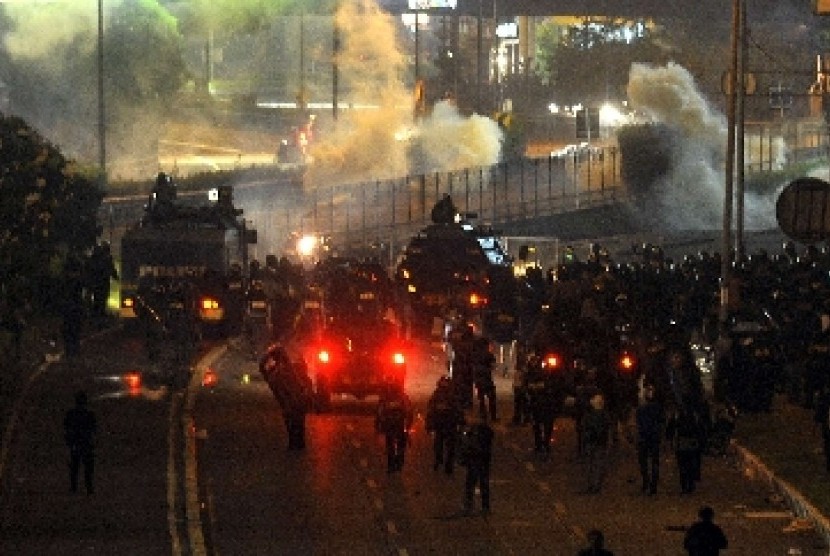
(377, 136)
(693, 191)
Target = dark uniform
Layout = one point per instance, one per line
(443, 419)
(476, 455)
(541, 392)
(79, 427)
(100, 270)
(650, 420)
(686, 428)
(292, 388)
(462, 366)
(394, 419)
(483, 362)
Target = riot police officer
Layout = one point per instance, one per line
(393, 420)
(443, 419)
(483, 361)
(292, 388)
(542, 395)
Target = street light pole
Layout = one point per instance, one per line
(102, 142)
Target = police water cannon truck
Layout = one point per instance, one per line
(456, 267)
(197, 246)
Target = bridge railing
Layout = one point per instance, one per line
(360, 215)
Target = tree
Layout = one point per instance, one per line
(48, 214)
(589, 63)
(52, 77)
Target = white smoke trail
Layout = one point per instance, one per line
(694, 189)
(366, 144)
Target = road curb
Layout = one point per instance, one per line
(796, 501)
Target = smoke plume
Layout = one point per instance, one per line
(692, 193)
(377, 136)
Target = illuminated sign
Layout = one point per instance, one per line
(507, 30)
(432, 4)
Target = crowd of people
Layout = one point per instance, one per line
(609, 346)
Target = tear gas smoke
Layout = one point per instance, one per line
(385, 141)
(692, 192)
(53, 47)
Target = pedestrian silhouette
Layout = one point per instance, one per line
(704, 537)
(476, 454)
(80, 426)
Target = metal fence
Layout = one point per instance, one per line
(361, 215)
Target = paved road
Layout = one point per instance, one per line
(209, 473)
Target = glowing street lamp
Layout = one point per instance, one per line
(306, 245)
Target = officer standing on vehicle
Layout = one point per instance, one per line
(393, 420)
(444, 417)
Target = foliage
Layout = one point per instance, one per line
(140, 35)
(48, 214)
(50, 64)
(247, 15)
(589, 63)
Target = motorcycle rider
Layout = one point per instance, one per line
(443, 419)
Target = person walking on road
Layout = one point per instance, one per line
(686, 429)
(704, 537)
(596, 546)
(393, 420)
(444, 417)
(477, 454)
(596, 432)
(80, 426)
(650, 420)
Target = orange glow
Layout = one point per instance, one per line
(477, 300)
(209, 303)
(133, 380)
(210, 378)
(627, 362)
(127, 302)
(552, 361)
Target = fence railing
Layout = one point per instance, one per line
(386, 213)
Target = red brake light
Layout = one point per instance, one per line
(323, 356)
(551, 361)
(133, 380)
(210, 378)
(398, 358)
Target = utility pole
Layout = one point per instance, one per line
(729, 176)
(335, 69)
(102, 128)
(740, 111)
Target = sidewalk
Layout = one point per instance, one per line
(784, 449)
